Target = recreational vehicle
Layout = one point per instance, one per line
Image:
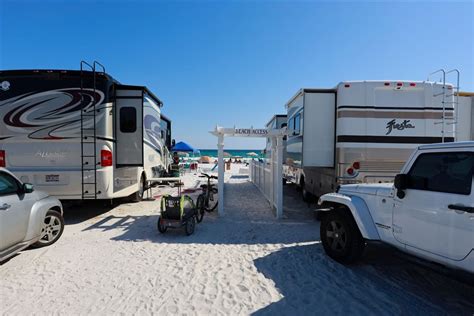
(81, 134)
(362, 131)
(465, 116)
(276, 122)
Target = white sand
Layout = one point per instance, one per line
(114, 261)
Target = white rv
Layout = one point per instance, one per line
(276, 122)
(362, 131)
(465, 116)
(81, 134)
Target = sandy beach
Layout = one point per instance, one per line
(112, 260)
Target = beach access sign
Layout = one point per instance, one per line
(251, 131)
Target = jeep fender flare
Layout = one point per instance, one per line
(357, 207)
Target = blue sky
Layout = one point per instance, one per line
(238, 62)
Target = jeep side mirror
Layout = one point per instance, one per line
(401, 181)
(28, 188)
(401, 184)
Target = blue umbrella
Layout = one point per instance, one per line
(183, 147)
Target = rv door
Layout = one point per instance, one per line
(128, 126)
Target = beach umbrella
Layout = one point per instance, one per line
(205, 159)
(183, 147)
(252, 154)
(226, 154)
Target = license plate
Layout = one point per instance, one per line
(52, 178)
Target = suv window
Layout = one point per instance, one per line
(443, 172)
(8, 184)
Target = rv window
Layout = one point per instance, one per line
(128, 119)
(297, 124)
(291, 125)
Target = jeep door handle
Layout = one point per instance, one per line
(463, 208)
(5, 207)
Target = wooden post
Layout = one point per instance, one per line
(220, 173)
(279, 181)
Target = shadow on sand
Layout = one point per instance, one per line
(384, 282)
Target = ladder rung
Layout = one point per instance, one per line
(87, 156)
(89, 183)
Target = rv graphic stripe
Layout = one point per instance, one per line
(394, 114)
(393, 108)
(51, 114)
(392, 139)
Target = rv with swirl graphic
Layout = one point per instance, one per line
(81, 134)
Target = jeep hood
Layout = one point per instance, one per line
(380, 189)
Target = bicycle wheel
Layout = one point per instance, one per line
(213, 200)
(200, 208)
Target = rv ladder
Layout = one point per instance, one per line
(89, 161)
(452, 104)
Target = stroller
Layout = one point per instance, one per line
(176, 212)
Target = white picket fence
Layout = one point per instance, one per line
(262, 176)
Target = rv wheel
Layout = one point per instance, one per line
(138, 196)
(306, 195)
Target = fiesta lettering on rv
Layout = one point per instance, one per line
(399, 126)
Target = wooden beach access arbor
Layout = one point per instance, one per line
(276, 162)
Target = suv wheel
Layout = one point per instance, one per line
(341, 237)
(53, 227)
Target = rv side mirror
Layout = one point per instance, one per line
(173, 142)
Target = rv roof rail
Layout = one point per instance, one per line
(435, 72)
(102, 66)
(87, 64)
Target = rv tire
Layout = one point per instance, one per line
(138, 196)
(307, 196)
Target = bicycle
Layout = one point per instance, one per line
(208, 199)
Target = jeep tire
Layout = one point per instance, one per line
(341, 237)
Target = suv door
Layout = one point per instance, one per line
(14, 211)
(427, 218)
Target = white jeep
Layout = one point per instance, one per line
(427, 212)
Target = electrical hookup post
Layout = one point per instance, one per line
(272, 186)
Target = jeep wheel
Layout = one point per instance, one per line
(341, 237)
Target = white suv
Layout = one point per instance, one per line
(428, 211)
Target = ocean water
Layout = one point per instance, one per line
(232, 152)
